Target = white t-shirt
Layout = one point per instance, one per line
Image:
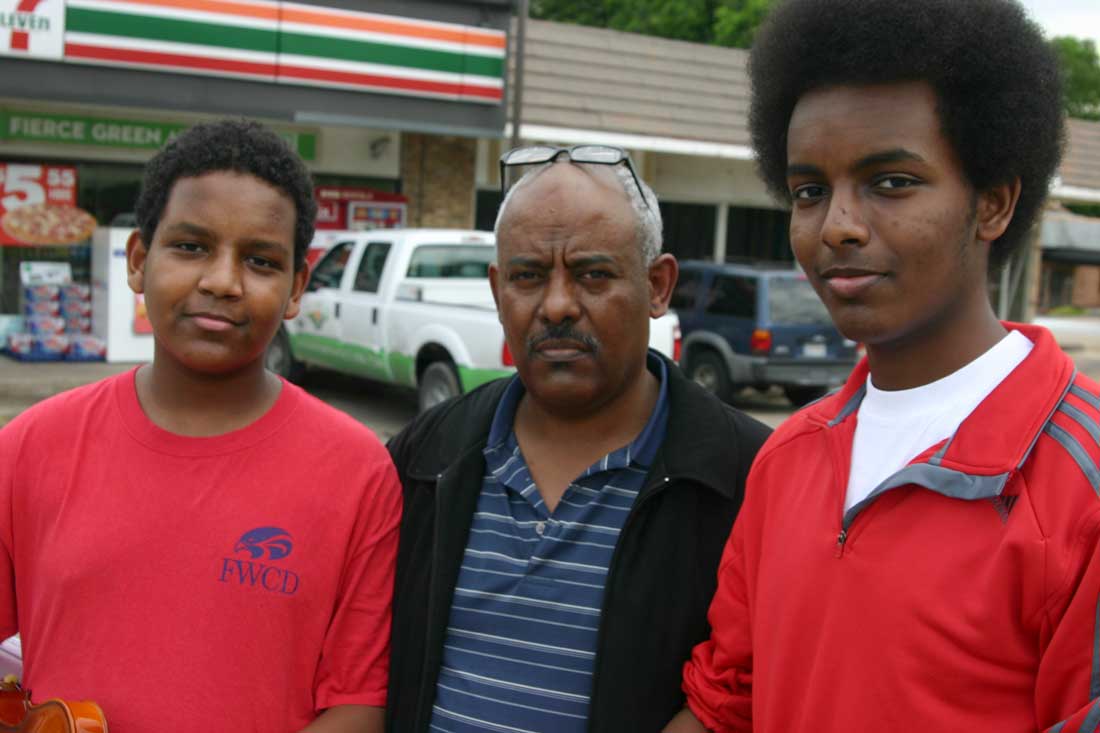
(894, 427)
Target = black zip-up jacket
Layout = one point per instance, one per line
(662, 575)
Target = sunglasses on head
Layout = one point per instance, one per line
(595, 154)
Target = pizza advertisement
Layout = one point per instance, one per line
(38, 206)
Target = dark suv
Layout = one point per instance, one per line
(755, 326)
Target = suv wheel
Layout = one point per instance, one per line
(708, 370)
(800, 396)
(438, 383)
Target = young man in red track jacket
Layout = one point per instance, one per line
(921, 551)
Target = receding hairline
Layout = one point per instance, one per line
(592, 177)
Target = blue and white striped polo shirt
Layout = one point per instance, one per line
(521, 642)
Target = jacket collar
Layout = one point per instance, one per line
(695, 447)
(978, 459)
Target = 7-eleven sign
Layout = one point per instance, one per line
(32, 28)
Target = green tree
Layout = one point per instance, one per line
(686, 20)
(736, 21)
(581, 12)
(1081, 73)
(721, 22)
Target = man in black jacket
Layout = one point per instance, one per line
(562, 529)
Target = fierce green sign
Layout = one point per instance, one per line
(18, 126)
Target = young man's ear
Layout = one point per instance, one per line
(995, 208)
(136, 252)
(297, 289)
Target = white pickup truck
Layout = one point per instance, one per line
(410, 307)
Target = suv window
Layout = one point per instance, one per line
(793, 302)
(687, 290)
(444, 260)
(369, 276)
(330, 270)
(733, 295)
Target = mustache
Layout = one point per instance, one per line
(562, 332)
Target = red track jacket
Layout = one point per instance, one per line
(962, 595)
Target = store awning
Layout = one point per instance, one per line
(1064, 232)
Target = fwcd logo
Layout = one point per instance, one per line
(262, 543)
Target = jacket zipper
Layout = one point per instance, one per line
(424, 676)
(840, 540)
(634, 511)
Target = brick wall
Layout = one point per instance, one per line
(1086, 286)
(437, 176)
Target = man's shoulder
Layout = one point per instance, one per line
(447, 429)
(695, 411)
(746, 426)
(708, 441)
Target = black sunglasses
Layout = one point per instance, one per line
(597, 154)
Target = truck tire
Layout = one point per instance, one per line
(438, 383)
(800, 396)
(280, 359)
(708, 369)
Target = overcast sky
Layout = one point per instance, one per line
(1080, 18)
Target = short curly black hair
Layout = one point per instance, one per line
(241, 146)
(997, 83)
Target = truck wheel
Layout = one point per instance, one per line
(280, 359)
(438, 383)
(800, 396)
(708, 370)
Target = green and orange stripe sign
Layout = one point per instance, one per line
(290, 43)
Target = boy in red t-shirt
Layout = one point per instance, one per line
(197, 543)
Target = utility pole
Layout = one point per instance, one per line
(522, 8)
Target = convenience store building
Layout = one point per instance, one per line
(92, 88)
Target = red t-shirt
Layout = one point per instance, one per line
(234, 583)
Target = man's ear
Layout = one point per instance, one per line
(494, 273)
(662, 279)
(995, 208)
(297, 289)
(136, 254)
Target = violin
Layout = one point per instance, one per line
(19, 715)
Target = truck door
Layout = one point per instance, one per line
(315, 334)
(361, 316)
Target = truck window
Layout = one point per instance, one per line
(369, 276)
(448, 260)
(330, 270)
(687, 290)
(733, 295)
(793, 302)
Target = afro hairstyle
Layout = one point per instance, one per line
(240, 146)
(996, 80)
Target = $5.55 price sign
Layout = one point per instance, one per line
(23, 184)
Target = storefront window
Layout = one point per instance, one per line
(758, 234)
(485, 209)
(108, 190)
(689, 230)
